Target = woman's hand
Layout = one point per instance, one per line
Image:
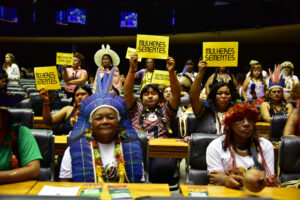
(231, 181)
(170, 64)
(133, 62)
(44, 95)
(202, 66)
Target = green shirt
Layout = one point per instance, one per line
(28, 148)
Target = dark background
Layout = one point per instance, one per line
(267, 30)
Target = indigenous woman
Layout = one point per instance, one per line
(276, 105)
(104, 146)
(19, 151)
(106, 59)
(254, 86)
(12, 69)
(75, 75)
(149, 117)
(69, 114)
(231, 155)
(210, 114)
(289, 78)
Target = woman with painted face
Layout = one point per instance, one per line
(75, 75)
(104, 146)
(106, 59)
(67, 115)
(240, 149)
(276, 104)
(148, 116)
(210, 114)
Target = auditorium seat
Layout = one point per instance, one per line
(23, 104)
(196, 166)
(277, 125)
(45, 141)
(289, 158)
(22, 116)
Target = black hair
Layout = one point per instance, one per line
(147, 87)
(116, 91)
(212, 95)
(85, 87)
(3, 75)
(111, 61)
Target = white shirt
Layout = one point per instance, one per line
(219, 160)
(106, 151)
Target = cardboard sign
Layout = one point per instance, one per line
(151, 46)
(221, 54)
(161, 77)
(46, 77)
(131, 51)
(64, 59)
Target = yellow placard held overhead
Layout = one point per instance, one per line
(161, 77)
(131, 51)
(46, 77)
(152, 46)
(64, 59)
(221, 54)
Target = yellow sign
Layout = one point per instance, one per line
(161, 77)
(64, 59)
(221, 54)
(46, 77)
(131, 51)
(152, 46)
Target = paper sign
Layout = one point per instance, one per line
(161, 77)
(119, 192)
(64, 59)
(197, 191)
(46, 77)
(59, 191)
(152, 46)
(221, 54)
(131, 51)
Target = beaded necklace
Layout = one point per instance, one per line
(118, 153)
(73, 120)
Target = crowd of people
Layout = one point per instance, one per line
(106, 117)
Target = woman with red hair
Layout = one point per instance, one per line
(231, 155)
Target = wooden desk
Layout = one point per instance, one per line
(60, 144)
(167, 148)
(17, 188)
(136, 190)
(38, 122)
(222, 191)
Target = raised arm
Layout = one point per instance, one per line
(65, 74)
(265, 112)
(291, 124)
(46, 106)
(175, 86)
(129, 82)
(197, 104)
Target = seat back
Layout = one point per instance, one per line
(289, 158)
(45, 141)
(277, 125)
(196, 164)
(22, 116)
(23, 104)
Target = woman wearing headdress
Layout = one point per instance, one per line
(68, 115)
(106, 59)
(12, 69)
(231, 155)
(19, 151)
(289, 78)
(276, 104)
(75, 75)
(254, 86)
(104, 146)
(210, 113)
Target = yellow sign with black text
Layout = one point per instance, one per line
(152, 46)
(161, 77)
(221, 54)
(64, 59)
(46, 77)
(131, 51)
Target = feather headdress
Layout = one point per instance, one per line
(81, 154)
(275, 80)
